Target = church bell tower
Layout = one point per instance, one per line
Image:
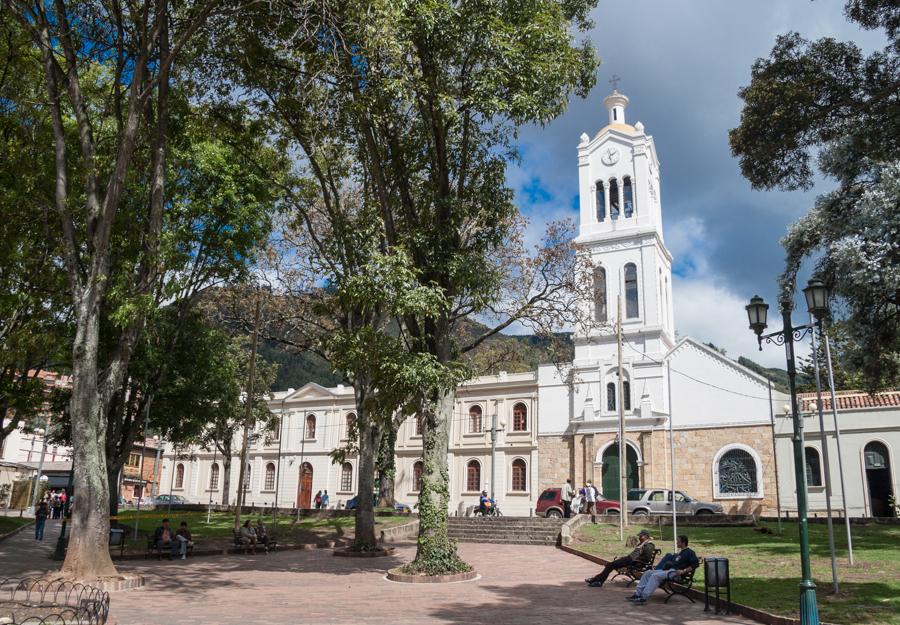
(621, 232)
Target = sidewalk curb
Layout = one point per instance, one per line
(229, 551)
(15, 531)
(730, 606)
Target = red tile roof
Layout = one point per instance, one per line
(850, 400)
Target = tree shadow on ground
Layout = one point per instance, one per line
(570, 603)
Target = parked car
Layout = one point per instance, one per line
(164, 500)
(550, 504)
(402, 508)
(659, 501)
(353, 503)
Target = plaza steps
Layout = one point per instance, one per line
(506, 530)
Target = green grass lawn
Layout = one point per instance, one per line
(765, 568)
(218, 532)
(9, 523)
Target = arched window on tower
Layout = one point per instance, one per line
(631, 291)
(179, 476)
(613, 198)
(611, 396)
(311, 427)
(519, 475)
(626, 394)
(600, 197)
(599, 294)
(628, 196)
(214, 477)
(520, 418)
(347, 477)
(269, 483)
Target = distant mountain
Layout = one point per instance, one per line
(779, 377)
(501, 352)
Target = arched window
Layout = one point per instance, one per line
(813, 467)
(418, 467)
(247, 477)
(627, 196)
(473, 476)
(270, 477)
(613, 198)
(475, 419)
(519, 475)
(631, 291)
(179, 475)
(601, 201)
(346, 477)
(214, 477)
(737, 474)
(599, 294)
(611, 396)
(350, 422)
(520, 417)
(418, 419)
(310, 426)
(626, 394)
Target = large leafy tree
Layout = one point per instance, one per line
(108, 73)
(432, 94)
(33, 312)
(828, 100)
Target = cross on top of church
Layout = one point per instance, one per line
(614, 81)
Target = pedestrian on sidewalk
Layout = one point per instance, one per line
(566, 497)
(40, 519)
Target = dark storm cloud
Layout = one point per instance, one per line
(681, 64)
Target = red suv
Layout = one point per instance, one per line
(550, 505)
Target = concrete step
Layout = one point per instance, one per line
(505, 541)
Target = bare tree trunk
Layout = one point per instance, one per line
(435, 552)
(85, 560)
(369, 439)
(112, 478)
(387, 470)
(226, 476)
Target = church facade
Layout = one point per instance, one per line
(515, 434)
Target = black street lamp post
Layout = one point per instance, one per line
(757, 311)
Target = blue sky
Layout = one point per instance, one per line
(681, 64)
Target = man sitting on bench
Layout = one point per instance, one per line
(679, 564)
(164, 538)
(644, 552)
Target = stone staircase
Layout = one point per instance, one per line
(506, 530)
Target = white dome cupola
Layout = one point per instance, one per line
(615, 103)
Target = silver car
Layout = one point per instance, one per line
(659, 501)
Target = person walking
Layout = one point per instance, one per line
(325, 500)
(566, 497)
(590, 498)
(318, 500)
(40, 519)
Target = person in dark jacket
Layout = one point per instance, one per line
(40, 519)
(680, 564)
(642, 553)
(164, 536)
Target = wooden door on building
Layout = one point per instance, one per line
(304, 491)
(611, 470)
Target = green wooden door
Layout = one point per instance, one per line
(611, 470)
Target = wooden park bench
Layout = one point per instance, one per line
(679, 586)
(240, 544)
(154, 549)
(634, 570)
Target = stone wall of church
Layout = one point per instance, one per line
(563, 457)
(555, 460)
(695, 453)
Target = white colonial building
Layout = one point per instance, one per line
(558, 423)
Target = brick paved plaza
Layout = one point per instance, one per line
(519, 585)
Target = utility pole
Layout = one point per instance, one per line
(775, 456)
(623, 496)
(672, 459)
(837, 440)
(37, 477)
(824, 438)
(248, 418)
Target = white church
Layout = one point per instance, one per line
(552, 425)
